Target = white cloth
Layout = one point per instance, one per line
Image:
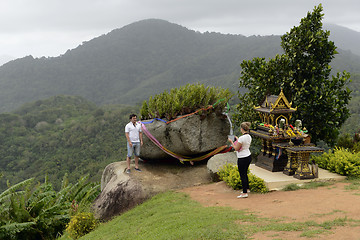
(133, 131)
(245, 141)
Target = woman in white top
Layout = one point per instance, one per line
(241, 146)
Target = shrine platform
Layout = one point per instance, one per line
(278, 180)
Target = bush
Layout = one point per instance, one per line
(230, 174)
(340, 161)
(356, 147)
(185, 100)
(348, 142)
(345, 141)
(81, 224)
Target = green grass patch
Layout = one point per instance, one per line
(308, 185)
(291, 187)
(316, 184)
(312, 233)
(354, 184)
(330, 213)
(173, 215)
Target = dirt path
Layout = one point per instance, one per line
(319, 205)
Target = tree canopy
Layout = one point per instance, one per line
(61, 135)
(303, 72)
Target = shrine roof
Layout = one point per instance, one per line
(276, 104)
(271, 99)
(275, 111)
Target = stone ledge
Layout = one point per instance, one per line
(277, 180)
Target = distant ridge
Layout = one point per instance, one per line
(344, 38)
(127, 65)
(5, 58)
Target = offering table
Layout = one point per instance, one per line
(298, 162)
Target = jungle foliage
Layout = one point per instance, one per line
(59, 135)
(303, 72)
(185, 100)
(31, 210)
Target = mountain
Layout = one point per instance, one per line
(127, 65)
(344, 38)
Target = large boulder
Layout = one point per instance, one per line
(188, 136)
(215, 163)
(121, 191)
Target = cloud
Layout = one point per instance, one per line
(49, 28)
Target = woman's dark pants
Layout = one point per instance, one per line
(243, 166)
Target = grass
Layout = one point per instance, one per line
(354, 184)
(308, 185)
(329, 213)
(173, 215)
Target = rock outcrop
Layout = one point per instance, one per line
(187, 136)
(121, 191)
(219, 160)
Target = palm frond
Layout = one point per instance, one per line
(16, 187)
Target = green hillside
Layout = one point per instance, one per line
(62, 134)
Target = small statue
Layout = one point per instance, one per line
(271, 131)
(305, 130)
(276, 130)
(282, 123)
(281, 132)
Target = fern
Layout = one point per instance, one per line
(38, 212)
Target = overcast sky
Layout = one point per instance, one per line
(50, 27)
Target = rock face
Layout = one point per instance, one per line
(121, 191)
(219, 160)
(187, 136)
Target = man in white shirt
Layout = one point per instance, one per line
(134, 139)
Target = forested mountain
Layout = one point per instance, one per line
(344, 38)
(129, 64)
(61, 135)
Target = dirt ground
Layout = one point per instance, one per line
(319, 205)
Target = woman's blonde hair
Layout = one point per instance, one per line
(245, 126)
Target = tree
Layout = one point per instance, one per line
(303, 72)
